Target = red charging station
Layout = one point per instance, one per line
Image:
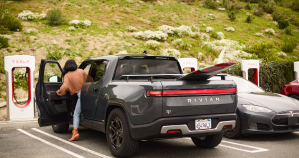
(255, 66)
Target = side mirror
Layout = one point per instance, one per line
(55, 78)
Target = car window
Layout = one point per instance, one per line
(98, 70)
(146, 66)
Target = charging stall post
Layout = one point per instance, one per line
(255, 66)
(188, 63)
(17, 110)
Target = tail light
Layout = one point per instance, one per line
(227, 127)
(189, 92)
(174, 131)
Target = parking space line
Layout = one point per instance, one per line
(51, 144)
(73, 144)
(248, 146)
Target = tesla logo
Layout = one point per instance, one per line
(188, 63)
(203, 99)
(168, 111)
(20, 61)
(252, 64)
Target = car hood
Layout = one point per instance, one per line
(273, 101)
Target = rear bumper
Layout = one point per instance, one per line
(159, 128)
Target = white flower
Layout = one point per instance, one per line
(281, 54)
(183, 31)
(270, 31)
(154, 35)
(204, 25)
(221, 9)
(54, 42)
(259, 34)
(229, 29)
(199, 55)
(170, 52)
(152, 44)
(233, 50)
(247, 13)
(209, 29)
(179, 43)
(72, 28)
(79, 24)
(211, 16)
(132, 28)
(220, 35)
(204, 37)
(28, 15)
(86, 22)
(275, 22)
(36, 75)
(167, 29)
(122, 52)
(5, 36)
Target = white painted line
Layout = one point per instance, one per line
(73, 144)
(51, 144)
(248, 146)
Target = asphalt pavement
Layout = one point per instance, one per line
(44, 143)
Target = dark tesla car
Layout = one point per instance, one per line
(291, 89)
(260, 112)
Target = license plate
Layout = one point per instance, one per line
(203, 124)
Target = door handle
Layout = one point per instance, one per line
(94, 89)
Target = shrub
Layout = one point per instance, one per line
(152, 44)
(248, 6)
(170, 52)
(282, 24)
(15, 25)
(258, 11)
(2, 62)
(204, 37)
(211, 4)
(277, 16)
(249, 18)
(180, 44)
(288, 31)
(55, 17)
(288, 46)
(232, 15)
(28, 15)
(229, 29)
(268, 8)
(209, 29)
(56, 55)
(259, 34)
(3, 42)
(262, 50)
(131, 28)
(270, 31)
(153, 35)
(71, 53)
(80, 24)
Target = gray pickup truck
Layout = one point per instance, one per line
(141, 97)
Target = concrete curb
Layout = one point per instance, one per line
(11, 125)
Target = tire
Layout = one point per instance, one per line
(295, 96)
(118, 135)
(210, 141)
(61, 128)
(236, 132)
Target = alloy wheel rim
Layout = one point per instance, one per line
(116, 133)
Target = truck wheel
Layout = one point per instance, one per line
(118, 135)
(61, 128)
(236, 132)
(210, 141)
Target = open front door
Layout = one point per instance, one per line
(52, 109)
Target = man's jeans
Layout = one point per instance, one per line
(76, 117)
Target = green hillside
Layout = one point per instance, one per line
(116, 27)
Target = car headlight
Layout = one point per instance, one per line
(254, 108)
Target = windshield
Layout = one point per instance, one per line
(245, 86)
(146, 66)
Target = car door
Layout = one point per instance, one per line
(92, 94)
(52, 109)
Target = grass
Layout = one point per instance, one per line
(111, 17)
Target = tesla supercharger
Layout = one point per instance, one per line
(188, 63)
(16, 66)
(255, 66)
(296, 70)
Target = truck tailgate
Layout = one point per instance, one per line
(205, 97)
